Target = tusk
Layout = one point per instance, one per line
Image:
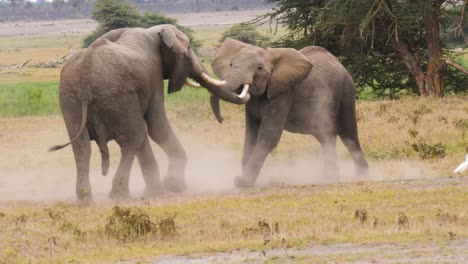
(209, 79)
(192, 83)
(245, 90)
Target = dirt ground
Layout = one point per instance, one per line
(451, 252)
(203, 19)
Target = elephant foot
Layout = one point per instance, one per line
(85, 197)
(243, 182)
(175, 184)
(85, 201)
(153, 192)
(119, 195)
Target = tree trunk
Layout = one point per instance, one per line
(412, 64)
(436, 65)
(431, 82)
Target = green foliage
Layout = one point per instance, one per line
(360, 33)
(429, 151)
(114, 14)
(246, 33)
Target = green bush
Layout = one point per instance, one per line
(246, 33)
(114, 14)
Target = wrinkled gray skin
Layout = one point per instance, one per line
(113, 90)
(306, 91)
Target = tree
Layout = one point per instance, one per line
(114, 14)
(401, 37)
(246, 33)
(77, 5)
(58, 4)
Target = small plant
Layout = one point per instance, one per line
(361, 215)
(167, 227)
(446, 218)
(129, 224)
(55, 214)
(413, 133)
(462, 125)
(403, 221)
(429, 151)
(20, 220)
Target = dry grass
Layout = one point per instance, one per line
(305, 216)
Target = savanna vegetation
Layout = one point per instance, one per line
(392, 48)
(428, 134)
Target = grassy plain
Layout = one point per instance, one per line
(425, 134)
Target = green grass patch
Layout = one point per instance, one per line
(41, 98)
(18, 99)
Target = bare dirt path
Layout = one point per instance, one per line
(432, 252)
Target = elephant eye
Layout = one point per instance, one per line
(230, 64)
(260, 67)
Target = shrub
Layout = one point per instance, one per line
(114, 14)
(246, 33)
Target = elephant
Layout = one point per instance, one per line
(307, 92)
(114, 90)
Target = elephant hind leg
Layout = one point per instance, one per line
(82, 152)
(150, 171)
(348, 133)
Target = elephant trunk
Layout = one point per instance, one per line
(216, 87)
(232, 84)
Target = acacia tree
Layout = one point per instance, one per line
(387, 33)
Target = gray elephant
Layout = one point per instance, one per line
(306, 91)
(114, 90)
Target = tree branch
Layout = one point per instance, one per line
(456, 66)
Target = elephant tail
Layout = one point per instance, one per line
(84, 117)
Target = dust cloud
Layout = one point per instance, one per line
(31, 174)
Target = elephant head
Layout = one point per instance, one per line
(180, 62)
(257, 71)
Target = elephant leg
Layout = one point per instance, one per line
(251, 133)
(161, 132)
(120, 189)
(356, 153)
(129, 128)
(330, 164)
(150, 170)
(274, 116)
(82, 152)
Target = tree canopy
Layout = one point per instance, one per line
(114, 14)
(246, 33)
(390, 46)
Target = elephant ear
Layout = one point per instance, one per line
(177, 57)
(290, 67)
(221, 63)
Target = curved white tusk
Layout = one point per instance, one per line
(192, 83)
(209, 79)
(245, 90)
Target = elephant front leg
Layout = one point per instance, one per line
(252, 126)
(274, 115)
